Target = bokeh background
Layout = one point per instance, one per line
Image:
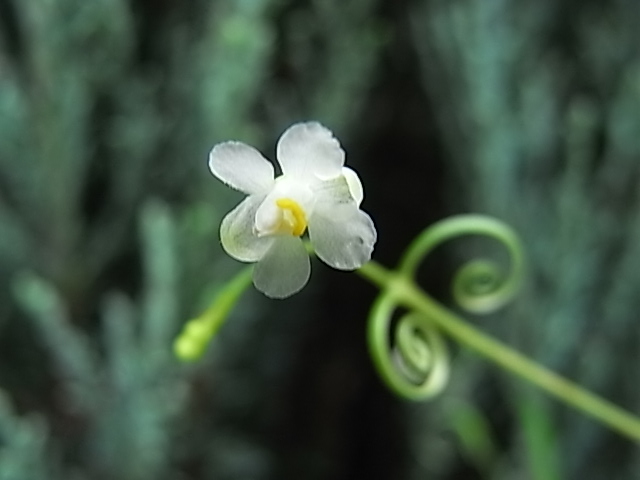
(529, 111)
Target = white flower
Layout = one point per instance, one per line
(315, 192)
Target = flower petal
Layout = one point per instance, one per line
(309, 149)
(354, 184)
(284, 269)
(330, 194)
(241, 167)
(343, 236)
(237, 232)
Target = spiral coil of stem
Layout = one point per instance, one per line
(412, 357)
(479, 286)
(416, 366)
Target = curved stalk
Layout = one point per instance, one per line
(407, 294)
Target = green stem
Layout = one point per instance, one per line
(410, 296)
(195, 336)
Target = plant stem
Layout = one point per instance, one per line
(412, 297)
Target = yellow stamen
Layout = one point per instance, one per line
(296, 220)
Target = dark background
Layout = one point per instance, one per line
(528, 111)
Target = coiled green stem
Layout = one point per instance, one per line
(399, 290)
(412, 358)
(479, 286)
(417, 365)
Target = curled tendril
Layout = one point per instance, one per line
(479, 286)
(416, 365)
(414, 361)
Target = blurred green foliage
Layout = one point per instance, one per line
(529, 111)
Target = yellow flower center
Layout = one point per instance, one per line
(293, 220)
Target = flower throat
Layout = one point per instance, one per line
(293, 220)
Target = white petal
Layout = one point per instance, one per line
(237, 232)
(284, 269)
(241, 167)
(354, 183)
(329, 193)
(343, 237)
(309, 149)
